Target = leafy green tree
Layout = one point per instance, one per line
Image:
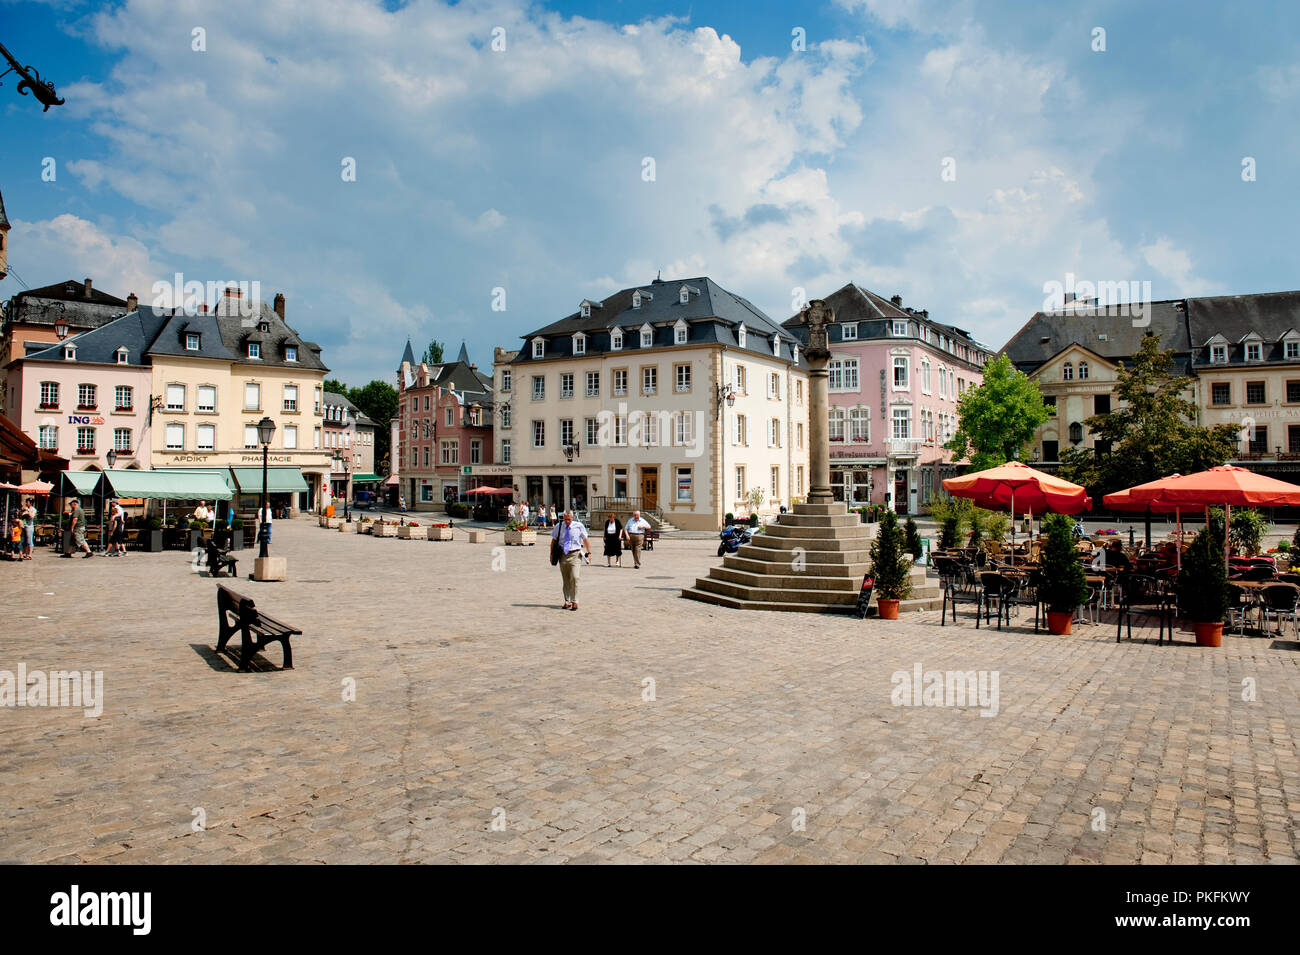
(378, 402)
(1153, 432)
(433, 354)
(1064, 585)
(996, 420)
(336, 387)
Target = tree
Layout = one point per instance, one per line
(433, 354)
(1152, 434)
(997, 419)
(378, 402)
(336, 387)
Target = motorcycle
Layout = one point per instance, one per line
(732, 537)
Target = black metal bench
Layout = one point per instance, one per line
(219, 560)
(650, 538)
(235, 612)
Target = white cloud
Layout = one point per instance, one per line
(1176, 266)
(68, 247)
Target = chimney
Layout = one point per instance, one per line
(279, 305)
(896, 300)
(203, 308)
(234, 290)
(473, 367)
(925, 313)
(87, 288)
(132, 302)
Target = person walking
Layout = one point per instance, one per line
(79, 528)
(613, 540)
(512, 511)
(28, 514)
(570, 539)
(116, 530)
(264, 520)
(523, 512)
(635, 531)
(551, 519)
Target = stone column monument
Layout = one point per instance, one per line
(818, 356)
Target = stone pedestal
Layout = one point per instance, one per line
(270, 568)
(346, 527)
(476, 537)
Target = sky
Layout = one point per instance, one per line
(511, 159)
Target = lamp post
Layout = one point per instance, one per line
(265, 431)
(347, 490)
(112, 459)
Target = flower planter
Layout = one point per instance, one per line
(408, 533)
(1208, 634)
(521, 537)
(364, 527)
(439, 533)
(888, 609)
(385, 530)
(1060, 623)
(334, 523)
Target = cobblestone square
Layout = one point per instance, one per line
(488, 725)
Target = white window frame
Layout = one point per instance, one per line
(906, 366)
(200, 431)
(849, 332)
(192, 341)
(169, 404)
(255, 389)
(289, 437)
(616, 340)
(593, 384)
(168, 430)
(647, 336)
(680, 333)
(580, 344)
(539, 348)
(539, 434)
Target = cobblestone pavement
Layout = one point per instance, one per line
(769, 738)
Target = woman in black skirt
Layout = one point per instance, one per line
(613, 541)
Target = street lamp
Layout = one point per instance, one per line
(112, 459)
(265, 432)
(723, 393)
(571, 451)
(347, 489)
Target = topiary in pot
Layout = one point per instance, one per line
(1062, 583)
(891, 567)
(912, 539)
(1202, 588)
(948, 532)
(728, 519)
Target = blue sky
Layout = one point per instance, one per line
(775, 169)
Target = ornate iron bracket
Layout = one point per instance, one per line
(31, 82)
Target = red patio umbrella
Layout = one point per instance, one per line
(1125, 501)
(1015, 483)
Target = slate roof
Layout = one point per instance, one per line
(464, 354)
(875, 315)
(136, 332)
(73, 290)
(238, 330)
(1047, 334)
(334, 398)
(64, 302)
(407, 355)
(4, 219)
(1270, 315)
(711, 312)
(171, 340)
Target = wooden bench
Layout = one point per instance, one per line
(219, 560)
(235, 612)
(650, 538)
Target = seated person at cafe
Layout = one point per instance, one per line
(1111, 556)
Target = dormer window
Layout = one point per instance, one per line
(290, 352)
(122, 356)
(741, 332)
(616, 340)
(255, 350)
(580, 344)
(899, 330)
(680, 333)
(61, 330)
(70, 352)
(585, 310)
(191, 341)
(636, 299)
(776, 346)
(794, 353)
(1253, 351)
(263, 327)
(1219, 354)
(684, 295)
(539, 347)
(647, 336)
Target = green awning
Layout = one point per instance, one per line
(168, 485)
(365, 478)
(278, 480)
(223, 473)
(79, 483)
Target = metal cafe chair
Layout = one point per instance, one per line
(1281, 601)
(1241, 602)
(957, 584)
(996, 589)
(1144, 596)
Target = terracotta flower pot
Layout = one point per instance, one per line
(1208, 634)
(888, 609)
(1059, 623)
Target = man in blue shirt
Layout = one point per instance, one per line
(572, 539)
(636, 529)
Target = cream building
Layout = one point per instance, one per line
(678, 398)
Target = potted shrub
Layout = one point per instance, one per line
(912, 539)
(196, 534)
(1062, 583)
(154, 535)
(728, 519)
(236, 533)
(1202, 588)
(891, 566)
(517, 532)
(755, 498)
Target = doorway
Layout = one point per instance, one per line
(900, 492)
(649, 489)
(557, 493)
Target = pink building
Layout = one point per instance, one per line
(895, 378)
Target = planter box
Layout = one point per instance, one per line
(385, 530)
(365, 528)
(346, 527)
(528, 537)
(408, 533)
(334, 523)
(323, 521)
(477, 537)
(439, 533)
(196, 540)
(237, 539)
(153, 541)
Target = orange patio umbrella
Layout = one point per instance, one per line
(1015, 483)
(1225, 485)
(1125, 501)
